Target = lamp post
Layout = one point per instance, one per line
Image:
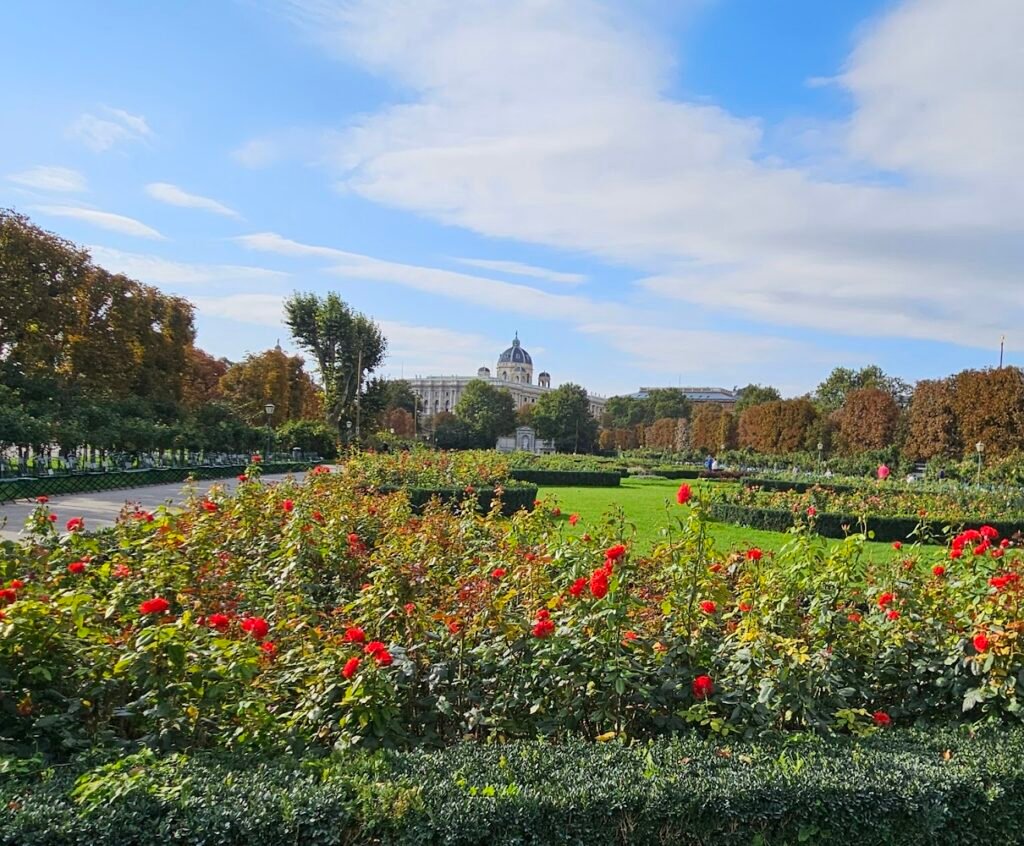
(979, 448)
(821, 449)
(269, 409)
(348, 433)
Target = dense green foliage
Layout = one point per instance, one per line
(487, 411)
(894, 787)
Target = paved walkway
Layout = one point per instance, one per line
(101, 509)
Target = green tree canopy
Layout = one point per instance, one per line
(756, 395)
(563, 415)
(487, 411)
(346, 345)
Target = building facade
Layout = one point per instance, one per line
(514, 371)
(720, 396)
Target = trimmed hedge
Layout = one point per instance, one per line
(31, 487)
(512, 500)
(893, 788)
(829, 525)
(794, 485)
(569, 478)
(692, 473)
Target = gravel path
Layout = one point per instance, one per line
(101, 509)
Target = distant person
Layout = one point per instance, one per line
(883, 472)
(708, 462)
(942, 474)
(828, 472)
(714, 465)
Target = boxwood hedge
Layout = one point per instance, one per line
(794, 485)
(883, 529)
(569, 478)
(896, 787)
(513, 498)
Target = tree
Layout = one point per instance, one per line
(271, 376)
(989, 406)
(487, 411)
(659, 404)
(931, 421)
(705, 428)
(563, 415)
(867, 420)
(831, 394)
(449, 432)
(201, 384)
(346, 345)
(311, 436)
(779, 427)
(756, 395)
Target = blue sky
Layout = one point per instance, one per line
(737, 191)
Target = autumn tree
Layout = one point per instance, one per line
(867, 420)
(931, 421)
(778, 427)
(346, 345)
(275, 377)
(201, 384)
(705, 427)
(989, 408)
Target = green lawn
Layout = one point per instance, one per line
(648, 504)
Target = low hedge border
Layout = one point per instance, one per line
(794, 485)
(828, 525)
(512, 499)
(31, 487)
(688, 473)
(897, 787)
(569, 478)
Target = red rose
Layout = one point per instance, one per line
(981, 642)
(854, 617)
(287, 506)
(893, 614)
(156, 605)
(255, 459)
(257, 627)
(811, 510)
(76, 567)
(578, 587)
(599, 583)
(269, 649)
(708, 607)
(351, 665)
(354, 634)
(988, 532)
(684, 494)
(75, 524)
(881, 719)
(703, 687)
(42, 500)
(409, 607)
(373, 647)
(8, 595)
(745, 607)
(498, 573)
(715, 568)
(543, 614)
(938, 570)
(627, 637)
(243, 478)
(754, 554)
(543, 628)
(53, 518)
(574, 519)
(220, 622)
(383, 658)
(209, 505)
(15, 584)
(897, 545)
(454, 626)
(886, 599)
(955, 552)
(614, 553)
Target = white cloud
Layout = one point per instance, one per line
(61, 180)
(257, 153)
(466, 288)
(258, 309)
(519, 269)
(116, 126)
(549, 123)
(155, 270)
(165, 192)
(104, 220)
(431, 350)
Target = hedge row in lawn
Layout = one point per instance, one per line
(882, 529)
(794, 485)
(513, 498)
(893, 788)
(31, 487)
(569, 478)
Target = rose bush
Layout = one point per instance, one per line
(350, 619)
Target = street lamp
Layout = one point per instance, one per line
(979, 447)
(348, 433)
(269, 409)
(821, 448)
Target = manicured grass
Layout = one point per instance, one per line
(650, 504)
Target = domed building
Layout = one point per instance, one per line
(514, 371)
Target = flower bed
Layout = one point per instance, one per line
(903, 787)
(322, 615)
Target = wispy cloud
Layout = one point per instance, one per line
(519, 269)
(475, 290)
(112, 127)
(59, 180)
(156, 270)
(104, 220)
(165, 192)
(257, 309)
